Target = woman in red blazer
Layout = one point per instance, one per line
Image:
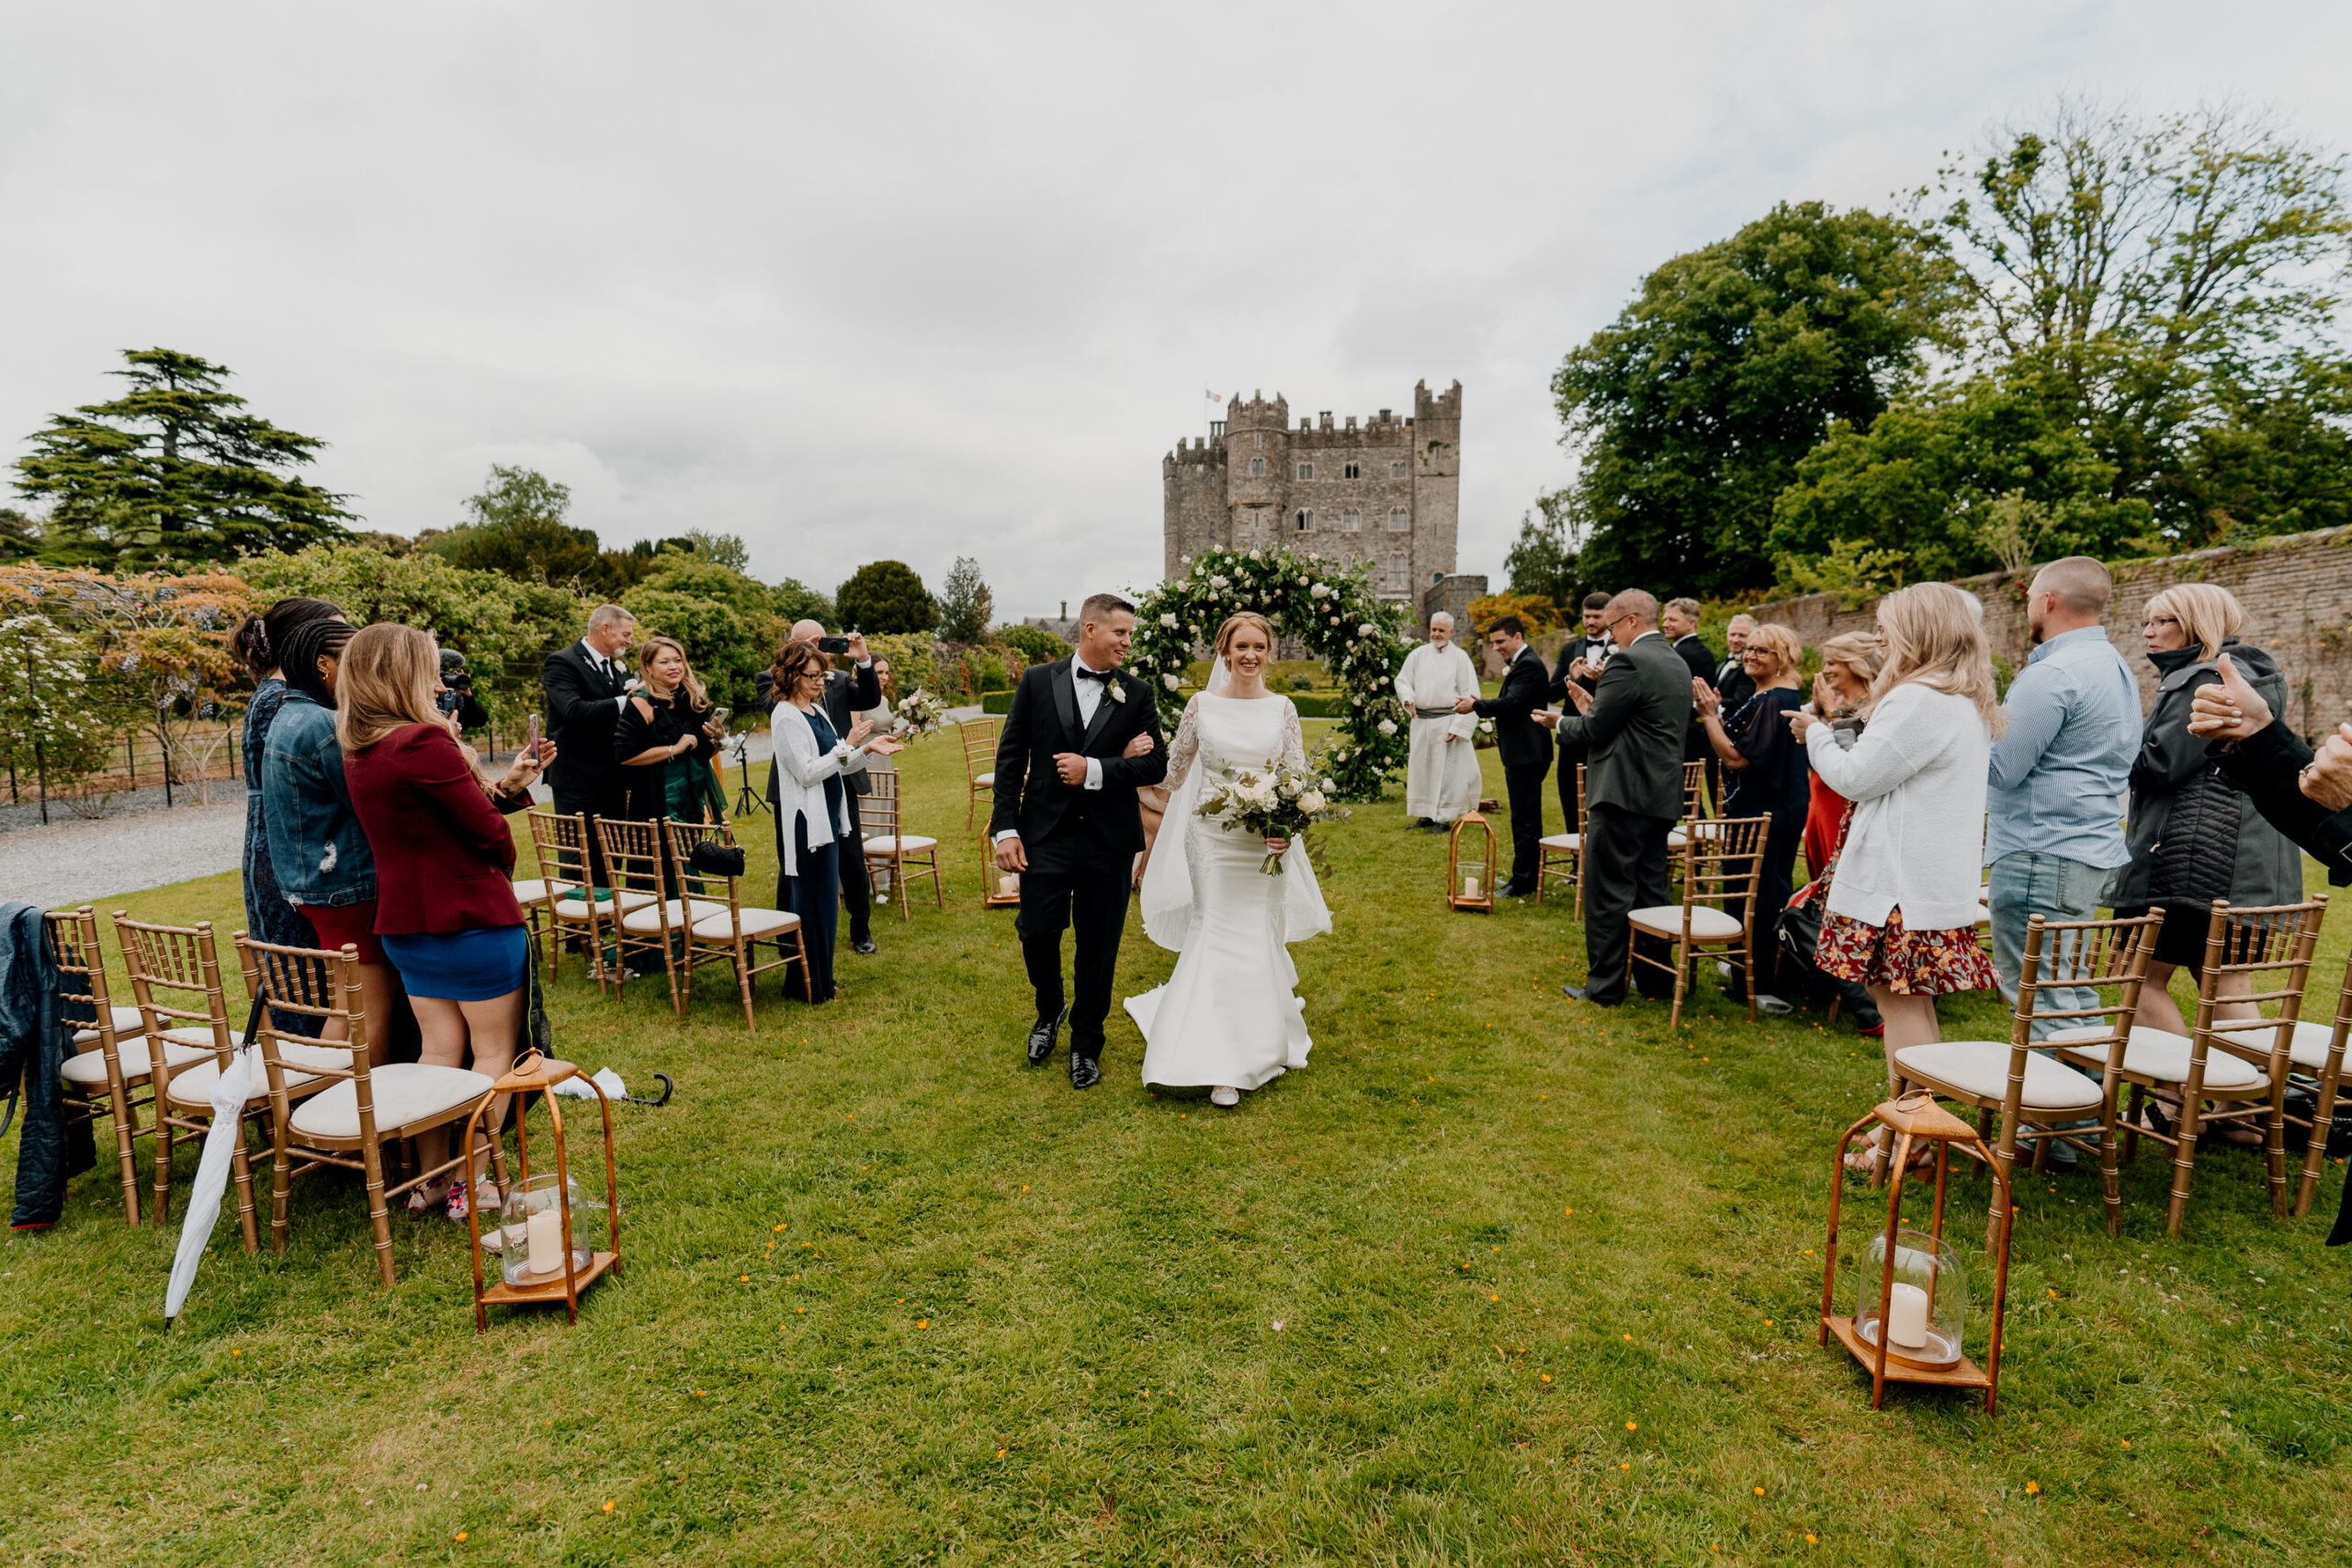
(445, 899)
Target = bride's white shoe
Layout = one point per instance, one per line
(1225, 1096)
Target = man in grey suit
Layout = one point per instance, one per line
(1633, 724)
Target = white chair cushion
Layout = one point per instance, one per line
(1983, 915)
(1564, 842)
(984, 781)
(2307, 1049)
(2158, 1054)
(127, 1020)
(757, 923)
(1707, 923)
(909, 844)
(679, 912)
(181, 1046)
(577, 909)
(1676, 838)
(530, 890)
(403, 1092)
(194, 1088)
(1981, 1068)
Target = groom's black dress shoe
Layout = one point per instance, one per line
(1083, 1072)
(1578, 992)
(1041, 1037)
(1516, 890)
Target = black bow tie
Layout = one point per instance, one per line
(1083, 673)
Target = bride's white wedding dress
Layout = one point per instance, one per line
(1227, 1015)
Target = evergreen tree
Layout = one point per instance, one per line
(886, 596)
(174, 471)
(965, 602)
(515, 527)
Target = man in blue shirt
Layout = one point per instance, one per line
(2054, 811)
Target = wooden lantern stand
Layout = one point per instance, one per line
(1913, 1120)
(1483, 863)
(992, 880)
(532, 1071)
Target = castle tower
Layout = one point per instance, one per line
(1437, 481)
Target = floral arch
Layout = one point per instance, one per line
(1328, 605)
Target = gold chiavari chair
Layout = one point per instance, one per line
(2225, 1072)
(110, 1063)
(1678, 838)
(1564, 849)
(565, 853)
(732, 936)
(2316, 1061)
(341, 1117)
(1725, 860)
(2035, 1098)
(978, 735)
(638, 856)
(889, 848)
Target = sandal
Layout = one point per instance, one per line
(458, 1206)
(422, 1198)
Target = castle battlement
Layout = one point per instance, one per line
(1358, 488)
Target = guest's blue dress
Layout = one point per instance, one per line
(268, 914)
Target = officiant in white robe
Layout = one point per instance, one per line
(1441, 774)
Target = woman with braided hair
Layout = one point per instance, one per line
(259, 643)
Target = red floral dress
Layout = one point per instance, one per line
(1907, 963)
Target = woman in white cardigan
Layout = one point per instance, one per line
(1902, 913)
(812, 816)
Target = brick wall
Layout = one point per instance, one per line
(2297, 590)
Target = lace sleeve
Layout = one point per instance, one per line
(1186, 746)
(1293, 737)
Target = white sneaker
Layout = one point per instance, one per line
(1771, 1006)
(1221, 1095)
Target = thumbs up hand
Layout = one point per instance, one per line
(2328, 779)
(2232, 710)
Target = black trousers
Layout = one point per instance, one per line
(1098, 900)
(608, 799)
(857, 888)
(1625, 869)
(1524, 786)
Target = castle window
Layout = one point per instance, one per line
(1398, 575)
(1307, 470)
(1399, 520)
(1352, 521)
(1257, 468)
(1355, 471)
(1397, 470)
(1307, 522)
(1258, 438)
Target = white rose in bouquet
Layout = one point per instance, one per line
(1171, 681)
(1312, 802)
(1168, 620)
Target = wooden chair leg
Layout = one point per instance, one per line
(2273, 1147)
(1682, 962)
(281, 1180)
(2110, 1181)
(126, 1134)
(164, 1150)
(2005, 1151)
(743, 983)
(2132, 1123)
(241, 1172)
(372, 1155)
(2184, 1159)
(1748, 960)
(2315, 1152)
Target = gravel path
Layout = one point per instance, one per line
(74, 861)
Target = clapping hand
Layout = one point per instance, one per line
(1139, 747)
(1710, 701)
(1825, 696)
(859, 730)
(1548, 717)
(1581, 670)
(2229, 709)
(1582, 698)
(2327, 781)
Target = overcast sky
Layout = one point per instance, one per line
(916, 281)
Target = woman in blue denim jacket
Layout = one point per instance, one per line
(323, 866)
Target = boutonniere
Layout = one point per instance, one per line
(1114, 691)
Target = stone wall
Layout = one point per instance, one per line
(2297, 590)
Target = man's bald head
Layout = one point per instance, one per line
(2081, 584)
(805, 631)
(1636, 603)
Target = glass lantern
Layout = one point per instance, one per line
(531, 1229)
(1928, 1311)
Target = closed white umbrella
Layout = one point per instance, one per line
(228, 1097)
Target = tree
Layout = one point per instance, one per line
(515, 527)
(1694, 406)
(50, 724)
(174, 471)
(886, 596)
(2162, 279)
(796, 601)
(1543, 563)
(1035, 644)
(725, 549)
(1537, 612)
(965, 602)
(724, 651)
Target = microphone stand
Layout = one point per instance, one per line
(748, 801)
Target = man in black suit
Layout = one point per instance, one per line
(845, 695)
(1734, 686)
(1679, 623)
(1633, 726)
(1080, 737)
(1523, 746)
(1582, 653)
(587, 684)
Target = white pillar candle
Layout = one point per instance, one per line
(1907, 1316)
(1469, 887)
(545, 1230)
(1008, 886)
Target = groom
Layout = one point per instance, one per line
(1080, 737)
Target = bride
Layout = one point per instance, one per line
(1228, 1017)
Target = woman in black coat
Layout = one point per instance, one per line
(666, 741)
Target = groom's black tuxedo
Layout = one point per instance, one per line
(1080, 843)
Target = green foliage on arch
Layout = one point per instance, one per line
(1328, 605)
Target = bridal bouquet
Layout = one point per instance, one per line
(1272, 799)
(920, 712)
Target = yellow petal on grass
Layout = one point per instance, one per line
(609, 1507)
(1547, 1377)
(2033, 1488)
(1631, 1425)
(1759, 1490)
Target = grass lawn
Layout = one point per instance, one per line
(1496, 1281)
